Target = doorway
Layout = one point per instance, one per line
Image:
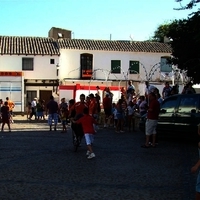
(45, 95)
(30, 95)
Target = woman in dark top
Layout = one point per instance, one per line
(5, 115)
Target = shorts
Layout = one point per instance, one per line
(64, 122)
(53, 117)
(39, 114)
(151, 126)
(89, 138)
(5, 120)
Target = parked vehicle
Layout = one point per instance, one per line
(178, 114)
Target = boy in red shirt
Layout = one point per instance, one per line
(87, 122)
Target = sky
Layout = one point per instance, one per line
(88, 19)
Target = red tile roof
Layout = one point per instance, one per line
(28, 46)
(11, 45)
(110, 45)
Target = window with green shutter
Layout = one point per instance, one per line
(134, 67)
(116, 66)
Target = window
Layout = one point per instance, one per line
(188, 103)
(116, 66)
(165, 66)
(134, 67)
(27, 64)
(86, 65)
(52, 61)
(169, 105)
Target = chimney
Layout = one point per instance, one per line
(58, 33)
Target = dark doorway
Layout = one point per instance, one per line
(30, 95)
(45, 95)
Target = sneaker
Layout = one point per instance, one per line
(121, 131)
(54, 128)
(87, 153)
(92, 155)
(105, 125)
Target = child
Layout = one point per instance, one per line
(114, 115)
(87, 122)
(120, 117)
(63, 117)
(5, 114)
(130, 111)
(196, 167)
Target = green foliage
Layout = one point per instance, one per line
(189, 5)
(185, 43)
(160, 33)
(184, 38)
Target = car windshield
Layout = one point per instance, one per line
(169, 104)
(188, 103)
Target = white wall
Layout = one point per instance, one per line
(42, 67)
(70, 63)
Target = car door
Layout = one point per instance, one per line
(187, 111)
(167, 115)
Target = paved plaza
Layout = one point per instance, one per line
(38, 164)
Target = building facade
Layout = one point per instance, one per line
(43, 64)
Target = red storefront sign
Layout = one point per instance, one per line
(10, 73)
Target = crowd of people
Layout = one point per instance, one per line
(85, 114)
(120, 115)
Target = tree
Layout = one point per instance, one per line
(160, 33)
(184, 38)
(189, 5)
(185, 43)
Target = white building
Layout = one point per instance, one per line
(46, 63)
(35, 59)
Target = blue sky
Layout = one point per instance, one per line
(88, 19)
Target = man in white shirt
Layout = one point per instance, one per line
(33, 108)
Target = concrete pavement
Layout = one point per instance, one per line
(38, 164)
